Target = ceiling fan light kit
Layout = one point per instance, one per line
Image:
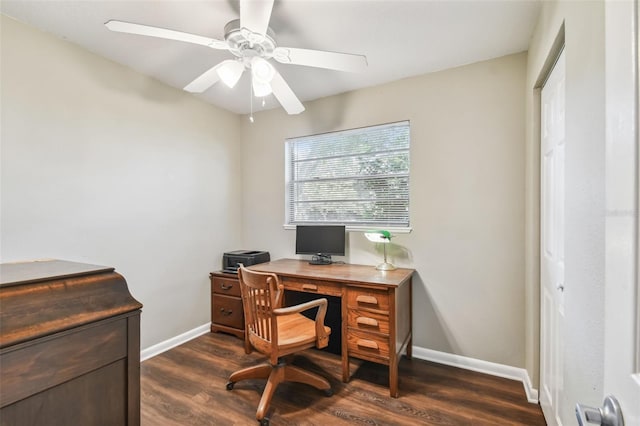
(260, 90)
(253, 43)
(230, 72)
(262, 70)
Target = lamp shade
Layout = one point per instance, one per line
(260, 89)
(230, 72)
(261, 70)
(385, 238)
(378, 236)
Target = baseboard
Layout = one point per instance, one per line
(158, 348)
(486, 367)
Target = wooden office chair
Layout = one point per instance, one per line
(277, 332)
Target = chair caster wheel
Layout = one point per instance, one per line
(328, 392)
(264, 422)
(230, 385)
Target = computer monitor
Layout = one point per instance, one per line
(321, 241)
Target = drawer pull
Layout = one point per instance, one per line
(367, 299)
(367, 321)
(225, 312)
(310, 287)
(370, 344)
(226, 287)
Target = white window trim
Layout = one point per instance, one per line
(357, 228)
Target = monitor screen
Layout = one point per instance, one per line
(320, 239)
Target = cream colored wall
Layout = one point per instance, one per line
(103, 165)
(582, 333)
(467, 198)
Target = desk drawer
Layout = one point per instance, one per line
(312, 286)
(227, 286)
(368, 321)
(367, 345)
(364, 298)
(227, 311)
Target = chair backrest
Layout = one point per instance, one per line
(261, 294)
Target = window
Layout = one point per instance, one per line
(357, 177)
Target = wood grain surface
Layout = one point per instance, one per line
(186, 386)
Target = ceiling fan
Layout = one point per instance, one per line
(252, 43)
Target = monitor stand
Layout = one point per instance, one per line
(321, 259)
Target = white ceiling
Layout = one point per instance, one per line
(399, 38)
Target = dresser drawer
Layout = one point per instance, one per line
(50, 361)
(227, 311)
(364, 298)
(367, 345)
(368, 321)
(312, 286)
(227, 286)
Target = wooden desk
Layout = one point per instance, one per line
(376, 308)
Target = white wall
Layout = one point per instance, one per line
(103, 165)
(467, 198)
(583, 331)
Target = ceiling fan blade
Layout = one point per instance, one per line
(255, 15)
(285, 95)
(207, 79)
(130, 28)
(321, 59)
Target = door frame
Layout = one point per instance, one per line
(622, 224)
(533, 228)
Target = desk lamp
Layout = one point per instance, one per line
(383, 237)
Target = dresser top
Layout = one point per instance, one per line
(41, 298)
(44, 270)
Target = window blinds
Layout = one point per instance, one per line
(357, 177)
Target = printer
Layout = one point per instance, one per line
(231, 259)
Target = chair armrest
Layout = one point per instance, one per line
(322, 339)
(296, 309)
(279, 295)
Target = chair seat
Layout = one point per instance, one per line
(296, 330)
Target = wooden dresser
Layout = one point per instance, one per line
(69, 345)
(226, 304)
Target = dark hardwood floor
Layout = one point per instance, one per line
(186, 386)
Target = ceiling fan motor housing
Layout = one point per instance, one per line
(246, 44)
